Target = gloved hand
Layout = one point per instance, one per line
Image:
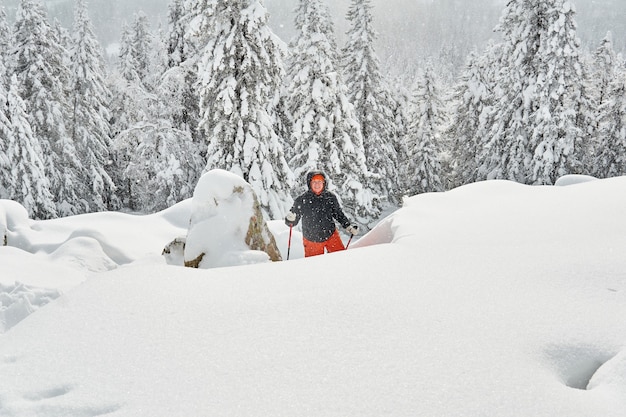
(353, 229)
(290, 219)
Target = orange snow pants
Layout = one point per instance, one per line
(333, 244)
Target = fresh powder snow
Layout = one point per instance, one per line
(493, 299)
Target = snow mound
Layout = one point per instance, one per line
(493, 299)
(224, 209)
(611, 376)
(83, 253)
(102, 240)
(18, 301)
(13, 219)
(573, 180)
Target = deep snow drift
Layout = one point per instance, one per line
(493, 299)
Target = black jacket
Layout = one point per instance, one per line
(318, 214)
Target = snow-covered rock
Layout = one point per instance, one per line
(174, 252)
(13, 216)
(227, 226)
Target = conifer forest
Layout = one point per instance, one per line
(216, 88)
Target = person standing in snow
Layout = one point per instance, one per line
(319, 209)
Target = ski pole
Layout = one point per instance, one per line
(289, 243)
(349, 240)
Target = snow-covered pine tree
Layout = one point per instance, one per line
(240, 72)
(198, 21)
(6, 179)
(6, 39)
(158, 56)
(177, 48)
(471, 101)
(282, 121)
(90, 129)
(312, 90)
(505, 151)
(28, 184)
(142, 49)
(583, 106)
(605, 65)
(401, 90)
(160, 164)
(126, 58)
(5, 42)
(163, 163)
(43, 78)
(177, 85)
(129, 108)
(602, 65)
(535, 135)
(62, 34)
(423, 171)
(611, 158)
(157, 162)
(325, 131)
(373, 104)
(135, 57)
(560, 141)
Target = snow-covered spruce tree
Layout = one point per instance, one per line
(27, 184)
(605, 65)
(162, 168)
(127, 65)
(43, 79)
(373, 104)
(325, 131)
(157, 162)
(282, 121)
(584, 108)
(560, 141)
(177, 85)
(128, 108)
(177, 49)
(135, 57)
(167, 162)
(535, 135)
(471, 102)
(90, 97)
(602, 65)
(6, 39)
(240, 72)
(611, 158)
(504, 152)
(142, 49)
(5, 43)
(422, 171)
(62, 34)
(6, 179)
(401, 90)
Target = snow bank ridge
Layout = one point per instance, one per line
(18, 301)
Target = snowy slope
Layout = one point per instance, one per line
(494, 299)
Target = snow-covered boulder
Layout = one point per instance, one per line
(227, 226)
(174, 252)
(13, 216)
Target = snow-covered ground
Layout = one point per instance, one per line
(494, 299)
